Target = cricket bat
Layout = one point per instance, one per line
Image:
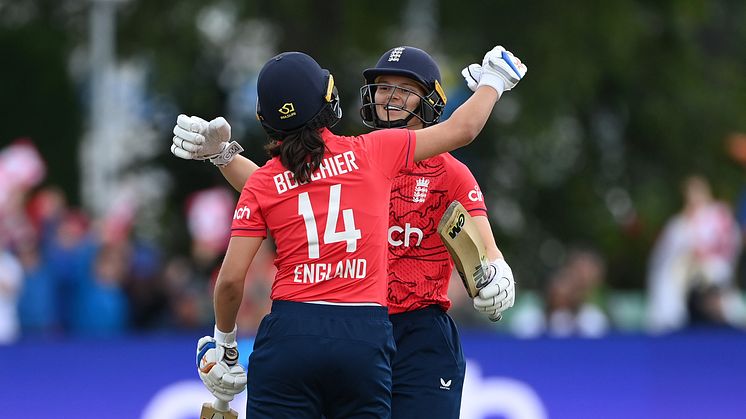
(218, 409)
(460, 236)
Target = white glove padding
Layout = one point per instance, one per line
(499, 294)
(218, 366)
(196, 139)
(472, 74)
(501, 70)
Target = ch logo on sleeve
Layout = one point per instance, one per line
(287, 110)
(241, 213)
(475, 194)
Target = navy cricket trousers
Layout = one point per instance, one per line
(429, 366)
(311, 360)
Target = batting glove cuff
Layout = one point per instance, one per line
(494, 81)
(225, 339)
(227, 154)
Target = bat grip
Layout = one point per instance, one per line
(221, 405)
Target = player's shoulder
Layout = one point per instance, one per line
(336, 144)
(269, 169)
(334, 141)
(447, 160)
(367, 142)
(387, 134)
(270, 166)
(451, 162)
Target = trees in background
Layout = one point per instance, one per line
(622, 99)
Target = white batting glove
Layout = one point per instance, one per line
(501, 70)
(196, 139)
(472, 74)
(218, 366)
(499, 294)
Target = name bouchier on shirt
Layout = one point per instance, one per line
(329, 167)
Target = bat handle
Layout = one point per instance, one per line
(221, 405)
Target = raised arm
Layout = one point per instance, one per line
(501, 71)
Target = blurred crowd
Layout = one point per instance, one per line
(65, 273)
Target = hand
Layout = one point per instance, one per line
(472, 74)
(499, 293)
(218, 366)
(196, 139)
(501, 70)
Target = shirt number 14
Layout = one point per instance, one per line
(350, 234)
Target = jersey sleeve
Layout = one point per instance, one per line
(465, 188)
(391, 150)
(248, 220)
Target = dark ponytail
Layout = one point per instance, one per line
(300, 152)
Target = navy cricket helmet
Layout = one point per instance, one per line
(294, 92)
(412, 63)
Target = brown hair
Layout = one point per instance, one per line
(300, 152)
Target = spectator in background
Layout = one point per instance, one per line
(188, 282)
(145, 287)
(573, 306)
(37, 306)
(11, 277)
(45, 210)
(102, 307)
(692, 267)
(209, 217)
(573, 301)
(187, 296)
(21, 168)
(735, 145)
(69, 253)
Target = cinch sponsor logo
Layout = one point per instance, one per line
(287, 110)
(396, 234)
(475, 194)
(241, 213)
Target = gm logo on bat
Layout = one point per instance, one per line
(457, 226)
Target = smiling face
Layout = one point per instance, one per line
(395, 95)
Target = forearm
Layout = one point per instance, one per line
(485, 233)
(227, 300)
(460, 129)
(238, 171)
(472, 116)
(230, 283)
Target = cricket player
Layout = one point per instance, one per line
(313, 329)
(403, 91)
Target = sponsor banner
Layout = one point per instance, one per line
(689, 375)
